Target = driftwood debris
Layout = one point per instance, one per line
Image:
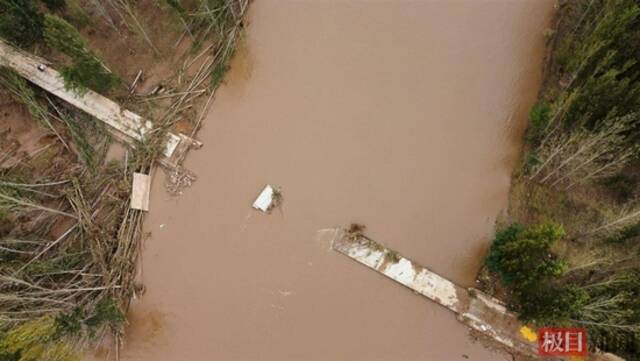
(134, 84)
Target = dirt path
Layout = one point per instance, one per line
(405, 116)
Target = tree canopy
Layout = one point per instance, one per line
(86, 70)
(20, 22)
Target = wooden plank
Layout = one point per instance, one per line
(140, 191)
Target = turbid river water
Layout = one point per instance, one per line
(405, 116)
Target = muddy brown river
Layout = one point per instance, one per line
(405, 116)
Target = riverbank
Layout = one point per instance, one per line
(579, 174)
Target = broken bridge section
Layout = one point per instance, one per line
(473, 308)
(123, 124)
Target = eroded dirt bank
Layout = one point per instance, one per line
(404, 116)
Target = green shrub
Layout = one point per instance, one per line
(177, 6)
(549, 305)
(563, 53)
(522, 256)
(55, 5)
(70, 322)
(539, 116)
(5, 356)
(64, 37)
(35, 341)
(533, 160)
(627, 234)
(20, 22)
(621, 186)
(86, 71)
(106, 311)
(218, 73)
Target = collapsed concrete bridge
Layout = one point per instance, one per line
(473, 308)
(123, 124)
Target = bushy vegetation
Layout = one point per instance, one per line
(46, 337)
(88, 73)
(36, 340)
(55, 4)
(177, 6)
(523, 256)
(523, 259)
(62, 36)
(86, 70)
(20, 21)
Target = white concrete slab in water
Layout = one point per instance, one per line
(140, 191)
(264, 200)
(403, 271)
